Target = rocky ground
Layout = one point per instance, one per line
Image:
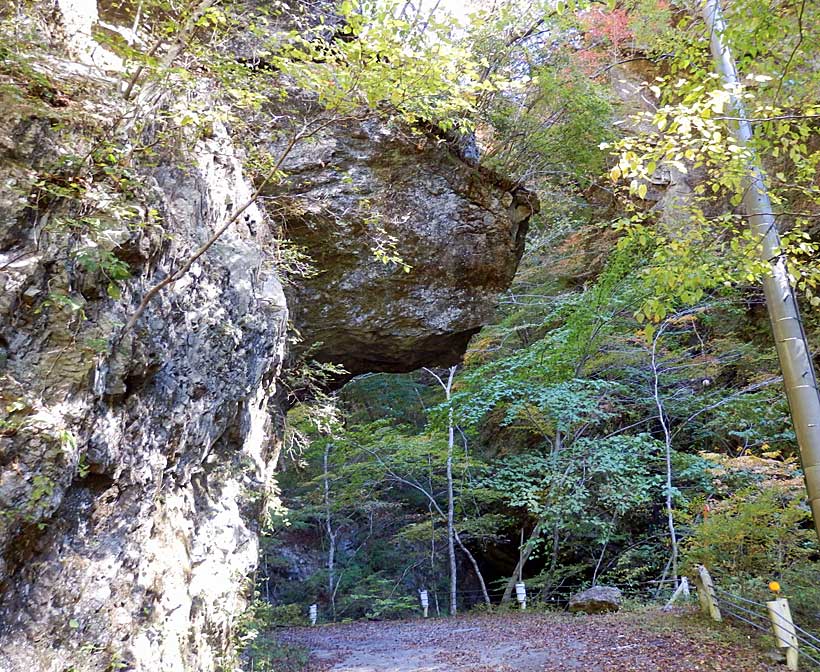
(627, 642)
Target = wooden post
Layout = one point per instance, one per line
(425, 601)
(706, 594)
(783, 627)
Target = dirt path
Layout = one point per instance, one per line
(632, 642)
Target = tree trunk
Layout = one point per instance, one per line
(524, 555)
(667, 440)
(451, 509)
(790, 339)
(435, 505)
(476, 568)
(331, 535)
(451, 527)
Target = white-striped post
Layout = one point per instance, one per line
(425, 601)
(783, 627)
(521, 595)
(313, 614)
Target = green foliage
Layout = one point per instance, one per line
(256, 641)
(543, 407)
(757, 422)
(581, 495)
(579, 120)
(613, 474)
(377, 598)
(547, 122)
(42, 487)
(269, 615)
(756, 533)
(388, 62)
(699, 243)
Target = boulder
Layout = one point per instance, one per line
(596, 600)
(365, 191)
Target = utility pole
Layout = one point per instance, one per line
(790, 339)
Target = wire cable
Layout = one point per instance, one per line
(808, 635)
(744, 610)
(787, 623)
(738, 597)
(745, 620)
(801, 651)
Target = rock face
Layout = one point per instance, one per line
(596, 600)
(131, 485)
(460, 230)
(135, 468)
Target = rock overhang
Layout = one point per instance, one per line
(460, 228)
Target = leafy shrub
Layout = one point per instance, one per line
(756, 532)
(378, 598)
(758, 535)
(284, 614)
(255, 641)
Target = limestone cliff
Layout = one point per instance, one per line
(135, 467)
(130, 485)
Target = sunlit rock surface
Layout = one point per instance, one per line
(131, 485)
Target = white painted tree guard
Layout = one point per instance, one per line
(521, 594)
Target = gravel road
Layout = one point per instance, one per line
(631, 642)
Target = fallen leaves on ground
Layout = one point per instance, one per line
(650, 641)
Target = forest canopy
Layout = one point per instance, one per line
(624, 419)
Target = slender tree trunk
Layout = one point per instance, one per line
(432, 500)
(603, 549)
(451, 525)
(331, 534)
(667, 439)
(556, 542)
(451, 534)
(790, 339)
(524, 555)
(662, 582)
(476, 568)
